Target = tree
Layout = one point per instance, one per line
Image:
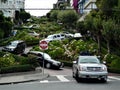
(106, 6)
(117, 12)
(117, 35)
(68, 18)
(108, 32)
(94, 25)
(97, 24)
(5, 26)
(81, 28)
(24, 16)
(54, 15)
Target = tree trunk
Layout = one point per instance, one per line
(108, 47)
(99, 45)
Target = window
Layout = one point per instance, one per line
(58, 35)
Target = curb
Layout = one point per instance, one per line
(24, 81)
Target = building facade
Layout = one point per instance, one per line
(84, 7)
(59, 3)
(11, 7)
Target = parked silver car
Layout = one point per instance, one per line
(89, 67)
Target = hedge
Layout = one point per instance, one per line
(17, 68)
(67, 63)
(114, 70)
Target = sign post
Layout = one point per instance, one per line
(43, 45)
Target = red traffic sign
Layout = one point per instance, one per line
(43, 45)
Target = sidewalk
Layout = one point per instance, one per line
(14, 78)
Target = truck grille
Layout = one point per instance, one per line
(94, 68)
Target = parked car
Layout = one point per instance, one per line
(33, 33)
(17, 47)
(48, 61)
(55, 37)
(89, 67)
(77, 36)
(34, 26)
(68, 35)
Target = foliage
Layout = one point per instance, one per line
(5, 26)
(53, 15)
(108, 32)
(12, 59)
(22, 35)
(108, 29)
(1, 33)
(81, 28)
(6, 60)
(24, 16)
(28, 60)
(113, 63)
(106, 6)
(68, 50)
(16, 68)
(68, 18)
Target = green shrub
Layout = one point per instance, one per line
(26, 60)
(115, 63)
(57, 53)
(16, 68)
(67, 63)
(109, 58)
(7, 60)
(114, 70)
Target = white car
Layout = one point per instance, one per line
(33, 33)
(68, 35)
(89, 67)
(55, 37)
(77, 35)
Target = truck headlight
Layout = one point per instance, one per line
(81, 68)
(104, 69)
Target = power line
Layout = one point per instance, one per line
(58, 9)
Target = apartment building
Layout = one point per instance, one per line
(83, 7)
(10, 8)
(59, 2)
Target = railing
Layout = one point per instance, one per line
(87, 3)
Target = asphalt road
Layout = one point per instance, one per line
(62, 80)
(73, 85)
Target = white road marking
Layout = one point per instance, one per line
(62, 78)
(44, 81)
(112, 77)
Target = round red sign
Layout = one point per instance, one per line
(43, 45)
